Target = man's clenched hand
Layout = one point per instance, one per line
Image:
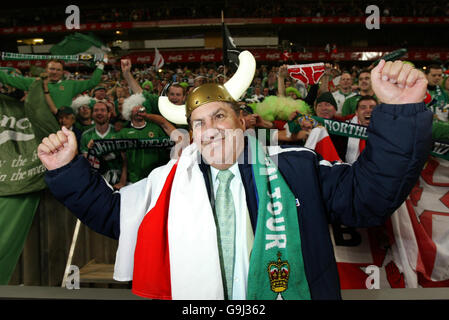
(398, 83)
(58, 149)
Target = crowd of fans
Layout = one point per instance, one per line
(127, 99)
(142, 11)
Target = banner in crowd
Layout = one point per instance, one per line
(268, 55)
(21, 171)
(106, 146)
(440, 148)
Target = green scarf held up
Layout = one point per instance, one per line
(276, 269)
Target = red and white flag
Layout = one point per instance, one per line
(320, 141)
(355, 145)
(168, 243)
(158, 59)
(309, 74)
(421, 229)
(416, 235)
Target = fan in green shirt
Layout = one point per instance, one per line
(82, 106)
(111, 166)
(439, 98)
(176, 93)
(61, 91)
(364, 81)
(138, 163)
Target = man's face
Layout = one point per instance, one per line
(266, 92)
(435, 76)
(365, 81)
(176, 95)
(345, 81)
(325, 110)
(218, 132)
(100, 94)
(100, 114)
(85, 112)
(364, 110)
(136, 115)
(67, 120)
(54, 71)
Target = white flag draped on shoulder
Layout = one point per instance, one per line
(158, 59)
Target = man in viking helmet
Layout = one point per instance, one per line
(232, 219)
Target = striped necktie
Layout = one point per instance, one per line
(225, 212)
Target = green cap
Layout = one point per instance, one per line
(98, 88)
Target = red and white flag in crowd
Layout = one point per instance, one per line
(410, 250)
(421, 229)
(320, 141)
(307, 73)
(158, 59)
(355, 146)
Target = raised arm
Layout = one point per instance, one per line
(398, 146)
(282, 74)
(19, 82)
(48, 99)
(71, 181)
(161, 121)
(126, 71)
(83, 85)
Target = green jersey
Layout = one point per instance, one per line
(62, 92)
(142, 161)
(111, 163)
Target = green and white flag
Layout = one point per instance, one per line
(77, 43)
(21, 171)
(22, 127)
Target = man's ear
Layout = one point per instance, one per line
(242, 120)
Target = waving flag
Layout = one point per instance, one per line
(307, 73)
(230, 51)
(77, 43)
(158, 59)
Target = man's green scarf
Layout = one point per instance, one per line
(440, 132)
(276, 269)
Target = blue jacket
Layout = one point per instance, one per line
(360, 195)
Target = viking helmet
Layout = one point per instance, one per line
(231, 91)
